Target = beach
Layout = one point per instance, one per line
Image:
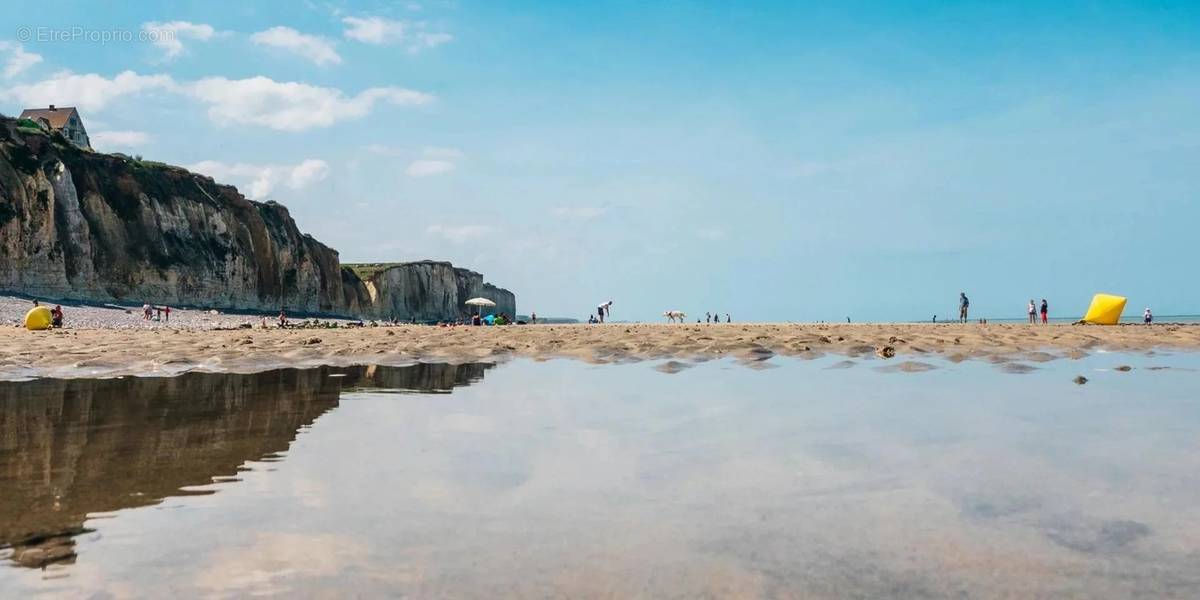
(164, 351)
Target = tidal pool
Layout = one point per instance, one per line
(822, 478)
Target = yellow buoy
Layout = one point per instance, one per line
(1105, 309)
(37, 318)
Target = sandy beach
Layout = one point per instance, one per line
(905, 347)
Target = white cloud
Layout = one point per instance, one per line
(291, 106)
(316, 49)
(118, 139)
(307, 173)
(434, 161)
(460, 233)
(86, 92)
(374, 30)
(169, 36)
(18, 59)
(578, 212)
(426, 168)
(257, 181)
(377, 30)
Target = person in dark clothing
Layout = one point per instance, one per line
(963, 305)
(1045, 311)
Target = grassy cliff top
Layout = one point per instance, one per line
(365, 271)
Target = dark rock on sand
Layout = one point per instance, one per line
(885, 351)
(1080, 379)
(1123, 368)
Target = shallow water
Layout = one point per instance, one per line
(823, 478)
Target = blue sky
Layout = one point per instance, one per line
(776, 161)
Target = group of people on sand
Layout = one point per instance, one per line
(1033, 310)
(156, 313)
(56, 315)
(715, 318)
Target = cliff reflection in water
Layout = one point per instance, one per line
(71, 448)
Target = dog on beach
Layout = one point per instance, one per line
(672, 315)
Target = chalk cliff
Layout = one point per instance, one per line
(75, 224)
(425, 290)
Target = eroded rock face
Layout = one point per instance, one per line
(87, 226)
(429, 291)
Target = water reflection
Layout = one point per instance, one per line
(562, 479)
(70, 449)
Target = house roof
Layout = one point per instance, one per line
(57, 117)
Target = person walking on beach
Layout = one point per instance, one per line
(963, 305)
(727, 319)
(708, 317)
(1045, 311)
(1147, 318)
(1032, 312)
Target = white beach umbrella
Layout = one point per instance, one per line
(479, 302)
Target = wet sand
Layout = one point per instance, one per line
(106, 352)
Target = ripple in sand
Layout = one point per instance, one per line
(908, 366)
(1017, 368)
(672, 366)
(1040, 356)
(1091, 536)
(842, 364)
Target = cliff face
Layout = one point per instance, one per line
(426, 291)
(96, 227)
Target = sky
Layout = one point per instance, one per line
(777, 161)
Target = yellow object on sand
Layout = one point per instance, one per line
(37, 318)
(1105, 309)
